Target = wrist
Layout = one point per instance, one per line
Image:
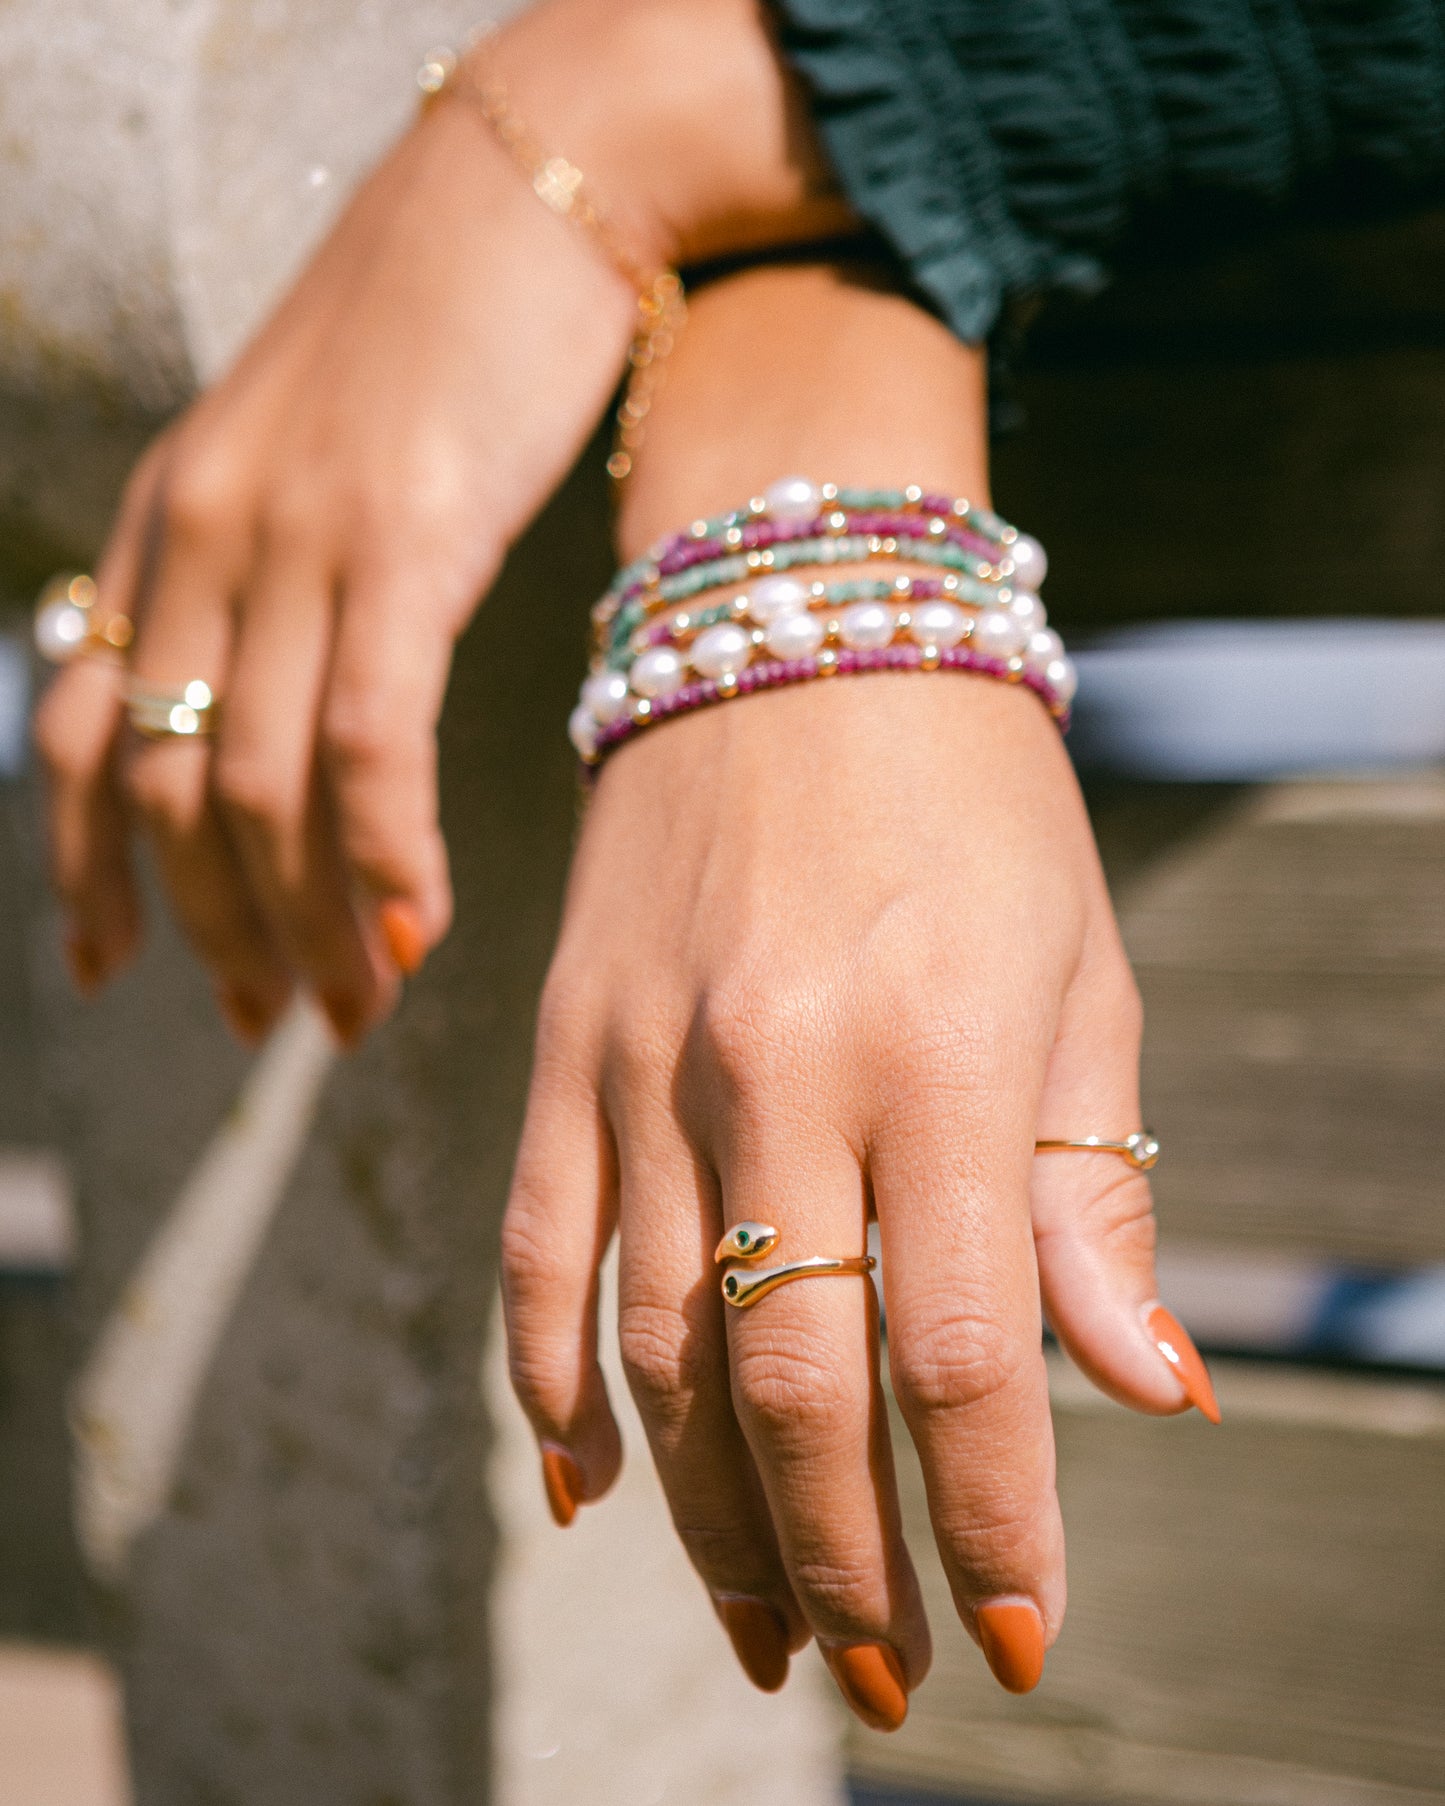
(687, 124)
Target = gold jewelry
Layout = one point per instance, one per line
(558, 184)
(171, 711)
(748, 1242)
(66, 625)
(1141, 1150)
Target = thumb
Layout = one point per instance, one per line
(1093, 1211)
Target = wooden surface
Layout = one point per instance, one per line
(1292, 959)
(1254, 1616)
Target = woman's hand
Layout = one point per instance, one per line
(844, 952)
(310, 538)
(830, 953)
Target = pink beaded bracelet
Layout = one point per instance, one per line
(672, 659)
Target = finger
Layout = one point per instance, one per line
(1093, 1214)
(76, 734)
(77, 729)
(560, 1217)
(674, 1348)
(266, 781)
(950, 1167)
(805, 1385)
(378, 742)
(184, 633)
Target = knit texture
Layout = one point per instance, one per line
(1004, 149)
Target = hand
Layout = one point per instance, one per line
(832, 953)
(313, 534)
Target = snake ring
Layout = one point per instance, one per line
(749, 1242)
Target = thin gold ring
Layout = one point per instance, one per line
(171, 711)
(1141, 1150)
(748, 1242)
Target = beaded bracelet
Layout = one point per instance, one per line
(843, 549)
(653, 664)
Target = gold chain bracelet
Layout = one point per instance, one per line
(558, 184)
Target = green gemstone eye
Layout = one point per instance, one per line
(730, 1286)
(743, 1238)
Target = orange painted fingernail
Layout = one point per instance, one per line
(870, 1678)
(1012, 1634)
(402, 933)
(759, 1638)
(562, 1479)
(87, 968)
(1173, 1342)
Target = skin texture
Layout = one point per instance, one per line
(307, 538)
(831, 953)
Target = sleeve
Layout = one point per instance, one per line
(1004, 151)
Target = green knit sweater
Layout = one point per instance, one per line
(1004, 148)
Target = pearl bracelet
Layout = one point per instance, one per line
(654, 664)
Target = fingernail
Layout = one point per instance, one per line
(245, 1013)
(870, 1678)
(1012, 1634)
(1173, 1342)
(759, 1638)
(346, 1016)
(562, 1478)
(402, 934)
(87, 968)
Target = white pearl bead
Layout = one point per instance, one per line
(1028, 610)
(867, 625)
(792, 498)
(582, 730)
(59, 629)
(1043, 648)
(1061, 677)
(774, 596)
(1030, 561)
(998, 634)
(605, 693)
(658, 672)
(937, 624)
(794, 635)
(723, 648)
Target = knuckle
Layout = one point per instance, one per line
(201, 496)
(253, 792)
(528, 1262)
(719, 1551)
(364, 727)
(565, 1015)
(952, 1360)
(159, 795)
(791, 1398)
(837, 1586)
(754, 1032)
(654, 1340)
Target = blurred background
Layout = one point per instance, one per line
(270, 1530)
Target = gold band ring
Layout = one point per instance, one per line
(1141, 1150)
(171, 711)
(751, 1242)
(67, 625)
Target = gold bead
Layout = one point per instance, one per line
(727, 684)
(827, 663)
(928, 658)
